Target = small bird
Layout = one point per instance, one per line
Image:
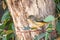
(33, 18)
(35, 22)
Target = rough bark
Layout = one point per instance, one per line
(21, 9)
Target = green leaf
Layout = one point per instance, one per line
(46, 36)
(58, 27)
(49, 18)
(11, 36)
(13, 28)
(38, 37)
(50, 25)
(1, 30)
(58, 6)
(4, 37)
(9, 32)
(6, 16)
(10, 26)
(1, 36)
(57, 1)
(2, 26)
(49, 28)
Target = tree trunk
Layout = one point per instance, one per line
(22, 9)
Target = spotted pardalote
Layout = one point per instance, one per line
(35, 22)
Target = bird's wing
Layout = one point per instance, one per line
(31, 23)
(40, 24)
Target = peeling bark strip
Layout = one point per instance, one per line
(21, 9)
